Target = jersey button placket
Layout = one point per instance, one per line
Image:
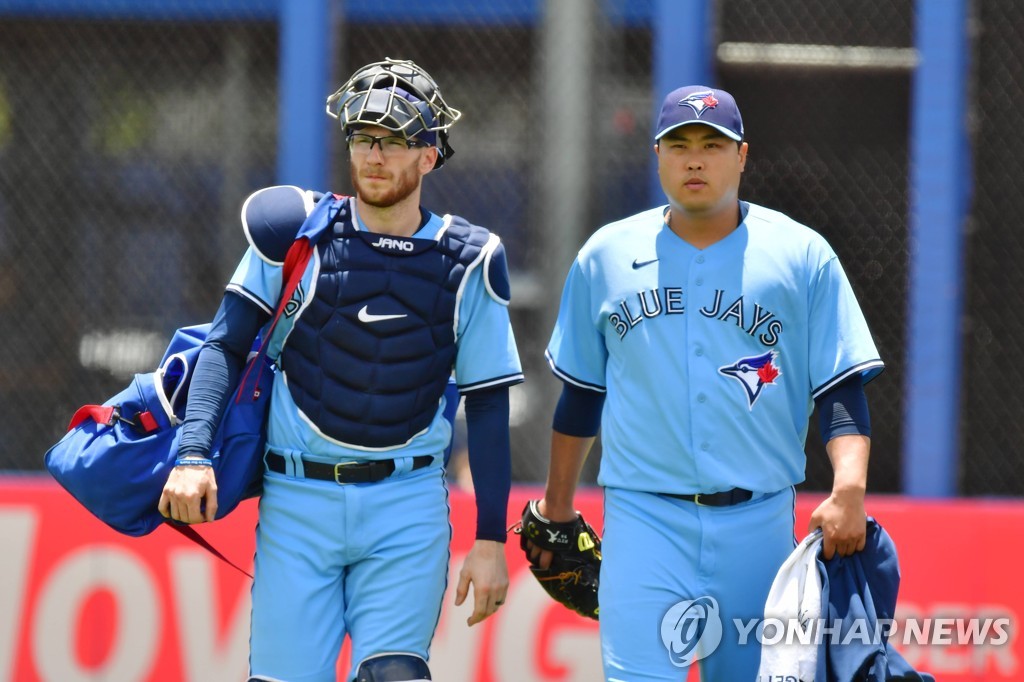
(701, 445)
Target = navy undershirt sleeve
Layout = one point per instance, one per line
(843, 410)
(578, 412)
(216, 374)
(490, 459)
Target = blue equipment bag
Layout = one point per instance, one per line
(116, 457)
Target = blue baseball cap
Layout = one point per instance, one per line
(700, 104)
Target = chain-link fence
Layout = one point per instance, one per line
(992, 402)
(124, 150)
(127, 147)
(829, 146)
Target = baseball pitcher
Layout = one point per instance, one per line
(698, 336)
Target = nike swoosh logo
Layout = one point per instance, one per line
(637, 264)
(365, 316)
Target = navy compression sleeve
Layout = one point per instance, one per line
(490, 459)
(216, 374)
(843, 410)
(578, 412)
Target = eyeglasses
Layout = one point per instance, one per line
(390, 145)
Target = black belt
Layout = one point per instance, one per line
(726, 498)
(347, 472)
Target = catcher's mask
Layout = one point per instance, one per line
(400, 96)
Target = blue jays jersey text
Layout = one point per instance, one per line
(710, 358)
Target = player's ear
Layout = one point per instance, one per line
(743, 155)
(427, 159)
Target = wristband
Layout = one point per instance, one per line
(193, 461)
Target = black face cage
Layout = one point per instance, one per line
(368, 98)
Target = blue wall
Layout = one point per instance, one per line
(940, 172)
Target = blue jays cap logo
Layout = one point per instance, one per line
(700, 102)
(753, 373)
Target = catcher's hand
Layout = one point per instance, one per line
(572, 578)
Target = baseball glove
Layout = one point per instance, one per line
(572, 578)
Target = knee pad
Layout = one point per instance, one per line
(393, 668)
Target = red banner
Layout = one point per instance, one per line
(81, 602)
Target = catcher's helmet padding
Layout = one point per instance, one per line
(400, 96)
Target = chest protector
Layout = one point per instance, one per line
(369, 356)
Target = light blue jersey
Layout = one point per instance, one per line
(710, 357)
(487, 356)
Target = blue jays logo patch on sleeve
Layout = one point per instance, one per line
(753, 373)
(293, 305)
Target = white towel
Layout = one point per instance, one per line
(794, 602)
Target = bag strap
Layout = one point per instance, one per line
(106, 415)
(317, 222)
(101, 414)
(193, 535)
(295, 263)
(294, 267)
